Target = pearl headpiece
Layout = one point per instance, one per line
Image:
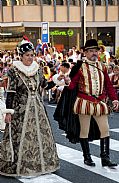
(25, 46)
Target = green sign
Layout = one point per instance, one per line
(69, 32)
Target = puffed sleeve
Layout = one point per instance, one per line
(74, 81)
(11, 88)
(75, 75)
(43, 81)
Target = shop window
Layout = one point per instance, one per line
(47, 2)
(8, 2)
(106, 36)
(73, 2)
(59, 2)
(110, 2)
(31, 2)
(14, 2)
(22, 2)
(89, 2)
(116, 2)
(38, 2)
(35, 2)
(98, 2)
(4, 3)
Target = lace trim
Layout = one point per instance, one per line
(27, 70)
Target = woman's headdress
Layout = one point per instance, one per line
(25, 46)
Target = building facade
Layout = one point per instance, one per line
(19, 17)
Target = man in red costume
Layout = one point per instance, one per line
(93, 88)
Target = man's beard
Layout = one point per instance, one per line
(94, 58)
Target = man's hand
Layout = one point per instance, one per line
(115, 105)
(8, 118)
(61, 77)
(67, 80)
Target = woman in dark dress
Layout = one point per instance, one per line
(28, 147)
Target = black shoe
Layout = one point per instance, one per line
(89, 162)
(86, 152)
(107, 162)
(105, 159)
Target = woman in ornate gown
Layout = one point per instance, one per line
(27, 147)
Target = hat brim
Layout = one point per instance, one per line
(92, 47)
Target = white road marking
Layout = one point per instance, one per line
(51, 106)
(76, 157)
(48, 178)
(115, 130)
(114, 144)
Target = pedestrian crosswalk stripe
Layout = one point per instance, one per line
(48, 178)
(114, 144)
(115, 130)
(53, 106)
(76, 157)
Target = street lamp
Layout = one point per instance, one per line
(83, 22)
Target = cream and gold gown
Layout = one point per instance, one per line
(28, 147)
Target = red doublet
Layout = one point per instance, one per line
(94, 86)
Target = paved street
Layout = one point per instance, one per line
(72, 169)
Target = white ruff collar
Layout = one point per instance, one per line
(27, 70)
(92, 62)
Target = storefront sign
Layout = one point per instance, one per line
(45, 32)
(69, 33)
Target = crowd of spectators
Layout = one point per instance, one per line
(56, 67)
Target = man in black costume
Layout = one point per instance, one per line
(92, 80)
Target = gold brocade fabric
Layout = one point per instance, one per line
(33, 143)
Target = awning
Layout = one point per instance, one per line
(11, 24)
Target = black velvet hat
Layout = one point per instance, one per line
(90, 44)
(25, 46)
